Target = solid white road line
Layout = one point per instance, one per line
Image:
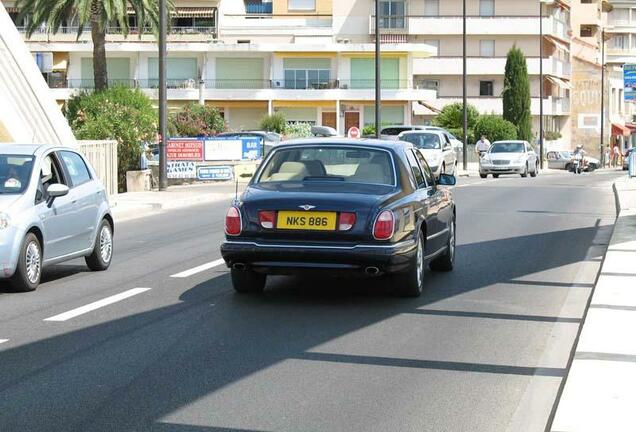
(96, 305)
(4, 340)
(199, 269)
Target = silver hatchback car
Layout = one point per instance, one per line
(52, 209)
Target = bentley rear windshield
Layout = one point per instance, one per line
(333, 164)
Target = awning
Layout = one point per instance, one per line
(188, 12)
(619, 129)
(12, 9)
(559, 82)
(631, 127)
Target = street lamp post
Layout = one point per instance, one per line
(602, 97)
(163, 175)
(541, 89)
(464, 98)
(378, 94)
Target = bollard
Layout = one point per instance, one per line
(632, 164)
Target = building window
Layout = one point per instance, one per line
(620, 42)
(428, 85)
(431, 7)
(587, 31)
(486, 7)
(307, 78)
(487, 48)
(619, 16)
(392, 14)
(305, 5)
(486, 88)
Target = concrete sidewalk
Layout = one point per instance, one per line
(600, 391)
(139, 204)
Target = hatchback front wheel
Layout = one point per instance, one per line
(27, 275)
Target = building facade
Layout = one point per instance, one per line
(309, 59)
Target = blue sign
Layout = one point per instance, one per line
(629, 82)
(214, 173)
(252, 148)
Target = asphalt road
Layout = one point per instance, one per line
(485, 349)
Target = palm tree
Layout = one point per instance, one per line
(95, 14)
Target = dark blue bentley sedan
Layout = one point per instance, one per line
(338, 206)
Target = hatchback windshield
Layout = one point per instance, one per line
(425, 141)
(507, 147)
(15, 171)
(338, 164)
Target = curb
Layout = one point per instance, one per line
(124, 211)
(599, 389)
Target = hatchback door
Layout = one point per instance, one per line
(59, 218)
(87, 196)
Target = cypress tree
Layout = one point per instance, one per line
(516, 94)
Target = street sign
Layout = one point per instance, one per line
(214, 173)
(184, 149)
(354, 132)
(629, 82)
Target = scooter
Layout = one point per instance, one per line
(576, 166)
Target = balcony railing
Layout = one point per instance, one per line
(258, 8)
(174, 30)
(390, 24)
(235, 84)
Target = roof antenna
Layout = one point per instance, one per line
(236, 192)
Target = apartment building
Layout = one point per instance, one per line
(620, 50)
(309, 59)
(493, 28)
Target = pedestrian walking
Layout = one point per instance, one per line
(615, 156)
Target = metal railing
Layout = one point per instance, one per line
(258, 8)
(234, 84)
(175, 30)
(391, 23)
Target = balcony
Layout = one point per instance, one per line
(486, 66)
(276, 89)
(476, 25)
(258, 8)
(115, 34)
(269, 25)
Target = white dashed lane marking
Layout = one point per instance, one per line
(96, 305)
(199, 269)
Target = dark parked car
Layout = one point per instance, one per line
(338, 206)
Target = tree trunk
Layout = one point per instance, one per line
(98, 34)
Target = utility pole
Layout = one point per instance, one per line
(464, 98)
(541, 89)
(378, 90)
(163, 102)
(602, 97)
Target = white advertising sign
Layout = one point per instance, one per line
(181, 170)
(223, 150)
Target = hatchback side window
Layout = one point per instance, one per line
(428, 175)
(76, 168)
(415, 169)
(50, 173)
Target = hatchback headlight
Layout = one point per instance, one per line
(5, 221)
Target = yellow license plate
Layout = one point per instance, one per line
(314, 221)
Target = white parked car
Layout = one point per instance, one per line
(436, 148)
(392, 132)
(53, 208)
(509, 157)
(457, 145)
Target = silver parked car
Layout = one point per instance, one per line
(52, 209)
(436, 147)
(509, 157)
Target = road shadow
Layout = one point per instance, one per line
(128, 374)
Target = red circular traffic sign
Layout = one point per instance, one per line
(354, 132)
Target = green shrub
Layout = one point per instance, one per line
(368, 130)
(274, 123)
(118, 113)
(298, 130)
(196, 120)
(495, 128)
(452, 117)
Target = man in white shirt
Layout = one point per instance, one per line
(482, 146)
